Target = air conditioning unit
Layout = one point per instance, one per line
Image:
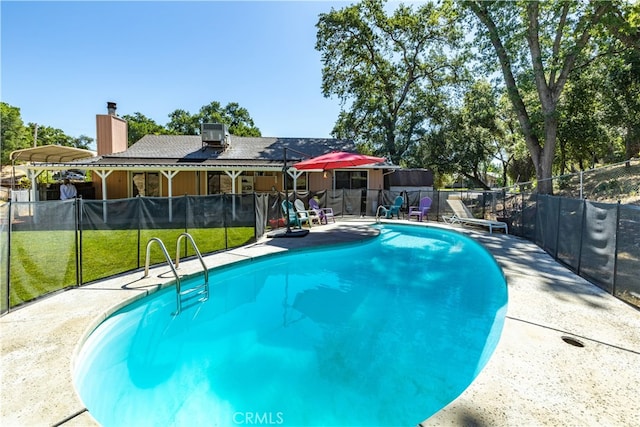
(214, 134)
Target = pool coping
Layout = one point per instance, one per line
(533, 377)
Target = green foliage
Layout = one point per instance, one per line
(581, 129)
(183, 123)
(540, 43)
(237, 119)
(389, 72)
(600, 109)
(49, 136)
(468, 139)
(139, 125)
(16, 136)
(13, 134)
(621, 98)
(83, 141)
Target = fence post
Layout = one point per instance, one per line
(187, 205)
(584, 215)
(521, 214)
(9, 232)
(255, 217)
(615, 253)
(224, 220)
(535, 219)
(139, 201)
(78, 243)
(558, 225)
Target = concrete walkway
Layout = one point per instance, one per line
(533, 378)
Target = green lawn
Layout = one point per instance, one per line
(45, 261)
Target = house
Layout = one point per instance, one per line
(211, 163)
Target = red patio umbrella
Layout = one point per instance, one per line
(337, 159)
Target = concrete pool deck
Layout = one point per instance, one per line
(533, 378)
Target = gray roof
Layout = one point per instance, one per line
(253, 151)
(189, 152)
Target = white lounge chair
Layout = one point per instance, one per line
(303, 214)
(462, 215)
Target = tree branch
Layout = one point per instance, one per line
(480, 10)
(556, 43)
(533, 39)
(569, 61)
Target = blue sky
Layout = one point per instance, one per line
(61, 62)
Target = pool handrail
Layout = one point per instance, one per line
(168, 259)
(197, 251)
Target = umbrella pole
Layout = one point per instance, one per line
(286, 190)
(288, 232)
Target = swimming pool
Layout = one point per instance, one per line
(383, 332)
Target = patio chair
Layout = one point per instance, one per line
(293, 219)
(421, 211)
(303, 214)
(390, 211)
(323, 213)
(462, 215)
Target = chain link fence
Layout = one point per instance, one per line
(607, 184)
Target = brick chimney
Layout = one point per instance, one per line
(111, 132)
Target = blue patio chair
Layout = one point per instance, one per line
(389, 211)
(294, 219)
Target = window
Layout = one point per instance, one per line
(213, 182)
(351, 180)
(220, 183)
(301, 183)
(145, 184)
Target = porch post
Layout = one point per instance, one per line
(103, 174)
(295, 174)
(33, 174)
(169, 175)
(233, 174)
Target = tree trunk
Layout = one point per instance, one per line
(548, 90)
(545, 167)
(632, 142)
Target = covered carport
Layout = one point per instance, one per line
(24, 158)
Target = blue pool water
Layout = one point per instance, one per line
(384, 332)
